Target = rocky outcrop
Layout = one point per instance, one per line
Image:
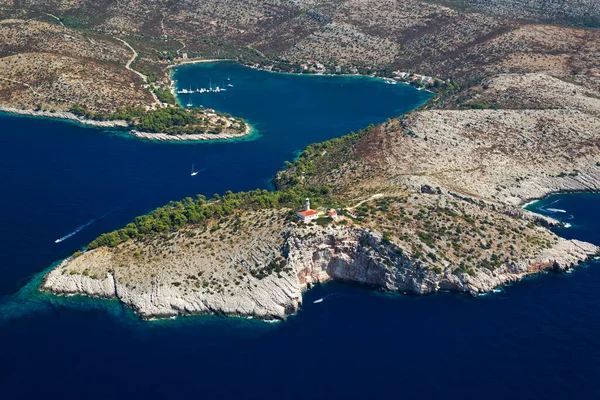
(270, 298)
(163, 137)
(312, 255)
(361, 256)
(539, 187)
(69, 284)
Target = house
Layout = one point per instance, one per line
(332, 214)
(400, 74)
(307, 214)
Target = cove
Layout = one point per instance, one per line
(59, 176)
(536, 339)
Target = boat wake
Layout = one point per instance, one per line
(80, 228)
(75, 231)
(323, 298)
(194, 173)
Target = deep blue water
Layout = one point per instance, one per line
(536, 339)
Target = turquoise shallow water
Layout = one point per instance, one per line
(537, 339)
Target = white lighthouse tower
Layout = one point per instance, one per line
(308, 214)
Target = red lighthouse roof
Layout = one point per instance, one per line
(308, 213)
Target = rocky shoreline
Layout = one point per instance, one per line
(312, 254)
(163, 137)
(65, 115)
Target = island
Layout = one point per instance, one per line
(426, 202)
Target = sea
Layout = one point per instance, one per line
(537, 339)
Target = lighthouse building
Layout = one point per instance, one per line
(307, 214)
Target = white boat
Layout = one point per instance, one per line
(318, 300)
(229, 85)
(189, 105)
(194, 173)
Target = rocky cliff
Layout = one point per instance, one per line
(263, 273)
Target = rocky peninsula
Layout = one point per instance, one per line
(427, 202)
(262, 270)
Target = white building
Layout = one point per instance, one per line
(307, 214)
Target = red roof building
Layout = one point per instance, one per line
(307, 215)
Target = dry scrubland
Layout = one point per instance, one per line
(501, 155)
(464, 41)
(50, 67)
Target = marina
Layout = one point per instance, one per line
(209, 89)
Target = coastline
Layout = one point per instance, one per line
(160, 137)
(65, 115)
(310, 74)
(200, 137)
(199, 62)
(277, 298)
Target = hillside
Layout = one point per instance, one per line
(47, 66)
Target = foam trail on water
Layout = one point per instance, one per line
(80, 228)
(75, 231)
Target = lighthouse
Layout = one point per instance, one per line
(308, 214)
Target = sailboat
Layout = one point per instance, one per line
(194, 173)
